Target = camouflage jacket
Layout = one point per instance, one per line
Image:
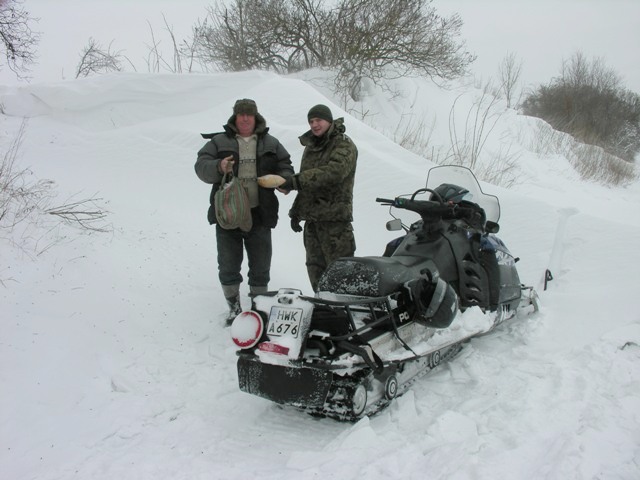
(327, 174)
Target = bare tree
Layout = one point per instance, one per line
(579, 71)
(395, 38)
(357, 38)
(17, 40)
(94, 59)
(255, 34)
(509, 72)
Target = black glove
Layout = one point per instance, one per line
(289, 184)
(295, 224)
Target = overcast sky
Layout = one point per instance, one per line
(541, 33)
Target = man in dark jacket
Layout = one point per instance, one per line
(246, 149)
(325, 192)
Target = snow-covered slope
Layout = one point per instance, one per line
(114, 362)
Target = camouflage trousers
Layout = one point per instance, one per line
(324, 242)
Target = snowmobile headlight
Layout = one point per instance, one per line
(247, 329)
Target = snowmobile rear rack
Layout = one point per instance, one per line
(377, 317)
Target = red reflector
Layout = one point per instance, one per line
(247, 329)
(273, 348)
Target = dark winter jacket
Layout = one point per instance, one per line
(326, 178)
(271, 158)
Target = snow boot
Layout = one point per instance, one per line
(232, 296)
(255, 290)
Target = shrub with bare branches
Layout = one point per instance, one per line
(95, 59)
(28, 215)
(479, 122)
(357, 38)
(17, 40)
(468, 140)
(588, 102)
(183, 55)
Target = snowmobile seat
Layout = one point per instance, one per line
(372, 276)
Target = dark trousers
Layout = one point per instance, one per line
(231, 246)
(325, 242)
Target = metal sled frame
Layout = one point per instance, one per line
(358, 334)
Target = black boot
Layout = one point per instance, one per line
(234, 309)
(232, 296)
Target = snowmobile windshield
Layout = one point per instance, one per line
(463, 177)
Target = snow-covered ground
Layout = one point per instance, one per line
(114, 363)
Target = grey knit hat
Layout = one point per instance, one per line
(320, 111)
(246, 106)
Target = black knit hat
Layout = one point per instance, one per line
(320, 111)
(245, 106)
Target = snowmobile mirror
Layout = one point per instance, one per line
(492, 227)
(394, 225)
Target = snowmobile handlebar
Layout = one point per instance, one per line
(427, 209)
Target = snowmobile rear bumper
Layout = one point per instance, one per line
(300, 387)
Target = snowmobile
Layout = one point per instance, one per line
(379, 323)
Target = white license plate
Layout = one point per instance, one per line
(284, 321)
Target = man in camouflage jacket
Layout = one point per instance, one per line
(246, 149)
(325, 192)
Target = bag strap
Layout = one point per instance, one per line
(226, 178)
